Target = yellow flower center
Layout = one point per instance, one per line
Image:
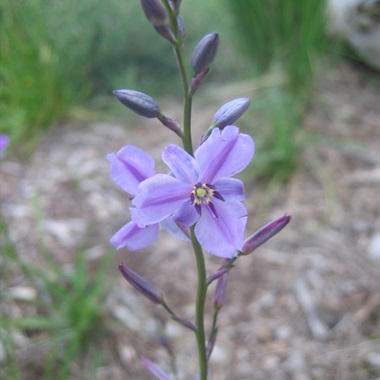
(202, 193)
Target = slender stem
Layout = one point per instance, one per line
(178, 51)
(188, 146)
(200, 306)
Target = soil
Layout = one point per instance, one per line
(303, 306)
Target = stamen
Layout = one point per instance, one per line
(202, 193)
(218, 195)
(212, 210)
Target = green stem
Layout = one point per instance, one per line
(178, 51)
(200, 306)
(188, 146)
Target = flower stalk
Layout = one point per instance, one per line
(200, 306)
(197, 200)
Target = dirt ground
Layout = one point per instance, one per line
(304, 306)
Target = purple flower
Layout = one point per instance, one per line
(129, 167)
(199, 190)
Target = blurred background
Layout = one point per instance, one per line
(306, 305)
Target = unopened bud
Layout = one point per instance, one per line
(166, 32)
(181, 27)
(205, 52)
(220, 292)
(155, 12)
(155, 370)
(141, 285)
(175, 5)
(171, 124)
(198, 79)
(230, 112)
(184, 323)
(264, 234)
(217, 274)
(138, 102)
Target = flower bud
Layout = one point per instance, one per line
(175, 4)
(155, 370)
(181, 27)
(264, 234)
(220, 292)
(230, 112)
(184, 322)
(138, 102)
(171, 124)
(166, 32)
(217, 274)
(141, 285)
(197, 80)
(155, 12)
(205, 52)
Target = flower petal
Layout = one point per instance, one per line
(158, 197)
(134, 237)
(130, 166)
(222, 236)
(186, 214)
(175, 229)
(224, 154)
(231, 189)
(182, 164)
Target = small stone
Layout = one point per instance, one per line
(22, 293)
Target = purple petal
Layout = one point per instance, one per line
(224, 154)
(231, 189)
(4, 142)
(134, 237)
(222, 236)
(183, 166)
(130, 166)
(186, 214)
(175, 229)
(155, 370)
(158, 197)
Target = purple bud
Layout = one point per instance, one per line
(171, 124)
(220, 292)
(155, 370)
(181, 26)
(198, 79)
(175, 5)
(230, 112)
(205, 52)
(217, 274)
(166, 32)
(264, 234)
(154, 12)
(184, 323)
(138, 102)
(141, 285)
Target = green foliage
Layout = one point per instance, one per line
(286, 32)
(56, 54)
(69, 303)
(281, 38)
(276, 130)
